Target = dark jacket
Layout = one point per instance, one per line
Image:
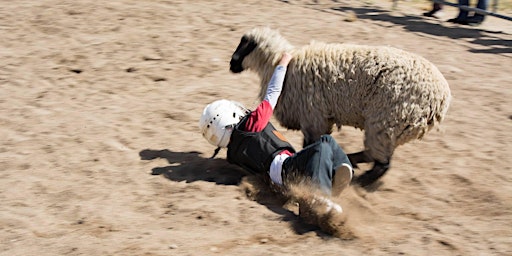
(255, 151)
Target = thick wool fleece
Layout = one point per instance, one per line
(393, 95)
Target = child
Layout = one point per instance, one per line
(254, 144)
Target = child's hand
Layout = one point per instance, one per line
(285, 59)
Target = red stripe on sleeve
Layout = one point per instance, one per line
(259, 118)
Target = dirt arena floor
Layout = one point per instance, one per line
(100, 151)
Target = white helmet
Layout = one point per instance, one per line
(218, 119)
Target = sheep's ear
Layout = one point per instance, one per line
(245, 47)
(250, 46)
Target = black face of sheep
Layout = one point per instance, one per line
(244, 48)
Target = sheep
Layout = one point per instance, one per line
(392, 95)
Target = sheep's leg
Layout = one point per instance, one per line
(370, 176)
(315, 128)
(379, 144)
(359, 157)
(309, 135)
(312, 137)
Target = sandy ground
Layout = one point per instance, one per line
(100, 152)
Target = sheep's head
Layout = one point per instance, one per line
(259, 49)
(245, 47)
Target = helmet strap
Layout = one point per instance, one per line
(215, 152)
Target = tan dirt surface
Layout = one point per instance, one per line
(100, 152)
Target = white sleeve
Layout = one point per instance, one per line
(275, 85)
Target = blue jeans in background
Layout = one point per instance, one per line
(464, 15)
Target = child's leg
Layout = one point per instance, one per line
(343, 173)
(318, 161)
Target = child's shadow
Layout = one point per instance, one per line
(190, 167)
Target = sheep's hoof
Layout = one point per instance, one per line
(359, 157)
(369, 177)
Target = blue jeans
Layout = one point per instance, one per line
(317, 161)
(463, 14)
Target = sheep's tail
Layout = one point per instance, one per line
(444, 105)
(439, 111)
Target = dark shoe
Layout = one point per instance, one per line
(474, 21)
(431, 14)
(458, 21)
(428, 14)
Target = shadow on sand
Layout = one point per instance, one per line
(486, 41)
(191, 166)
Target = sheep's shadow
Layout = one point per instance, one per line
(192, 166)
(423, 25)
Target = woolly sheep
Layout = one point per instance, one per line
(393, 95)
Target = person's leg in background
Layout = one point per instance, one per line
(465, 19)
(463, 14)
(435, 8)
(478, 18)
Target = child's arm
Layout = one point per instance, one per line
(259, 118)
(276, 82)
